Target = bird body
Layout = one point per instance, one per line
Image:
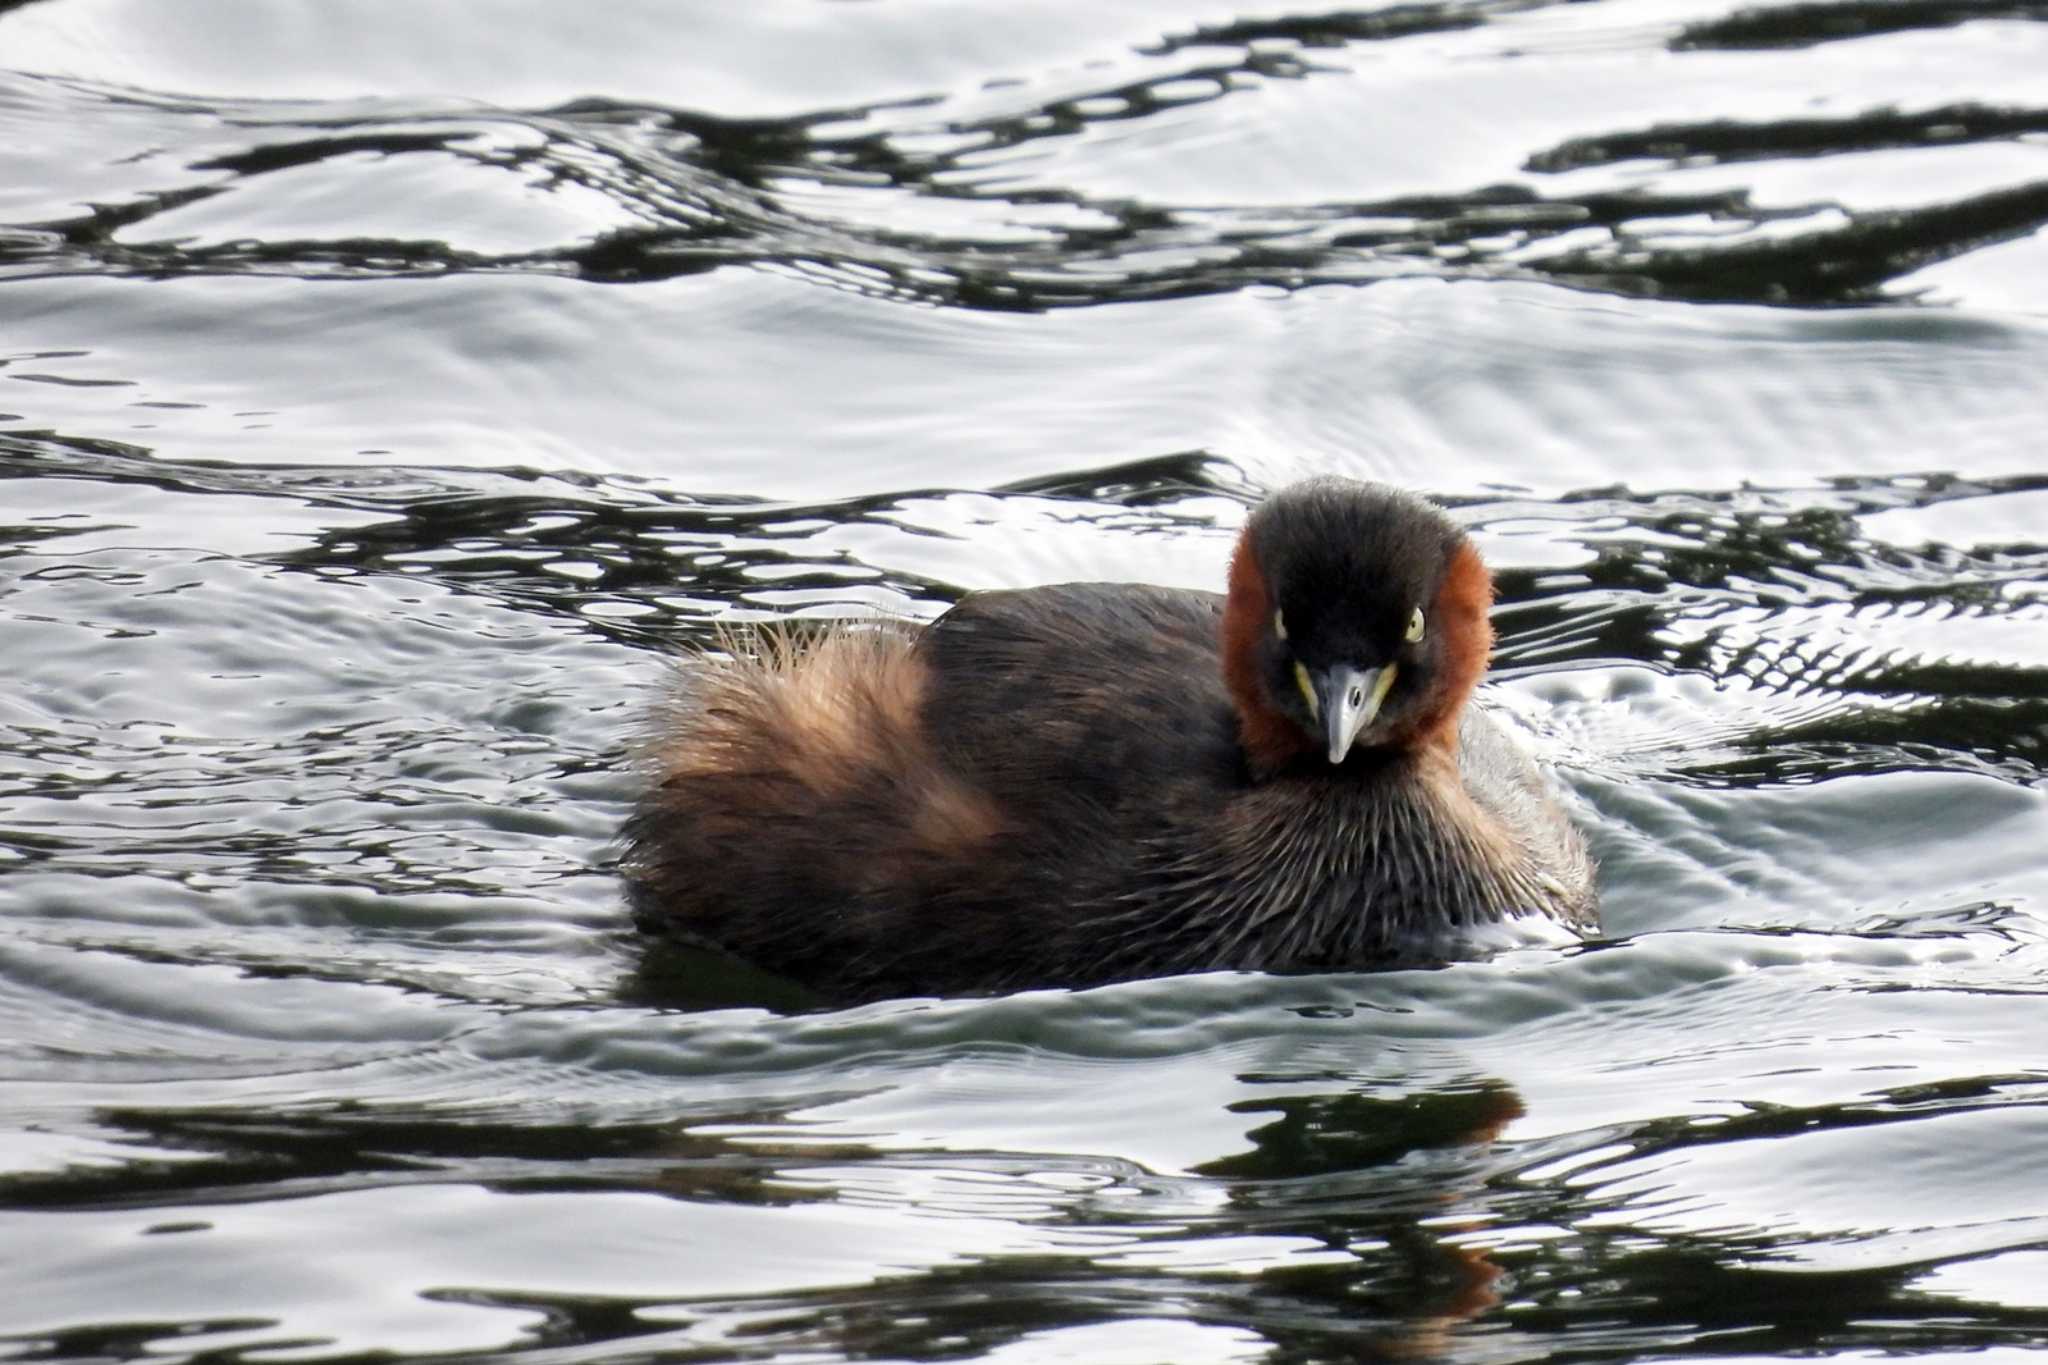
(1094, 782)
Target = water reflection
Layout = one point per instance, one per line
(382, 402)
(1801, 25)
(1307, 1258)
(1366, 1224)
(923, 201)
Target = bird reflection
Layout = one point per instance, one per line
(1382, 1177)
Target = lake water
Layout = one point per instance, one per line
(386, 389)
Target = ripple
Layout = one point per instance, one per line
(1140, 170)
(382, 403)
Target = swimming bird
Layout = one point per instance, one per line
(1093, 782)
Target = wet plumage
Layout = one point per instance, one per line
(1094, 782)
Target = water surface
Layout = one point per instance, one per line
(386, 389)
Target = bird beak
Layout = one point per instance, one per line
(1349, 699)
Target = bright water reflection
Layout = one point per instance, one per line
(383, 387)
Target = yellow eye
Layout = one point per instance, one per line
(1280, 625)
(1415, 627)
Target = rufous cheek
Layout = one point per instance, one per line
(1465, 641)
(1270, 739)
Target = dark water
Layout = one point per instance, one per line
(385, 387)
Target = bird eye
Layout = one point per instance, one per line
(1415, 626)
(1280, 625)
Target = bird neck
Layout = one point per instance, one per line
(1369, 862)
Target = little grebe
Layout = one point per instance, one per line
(1099, 781)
